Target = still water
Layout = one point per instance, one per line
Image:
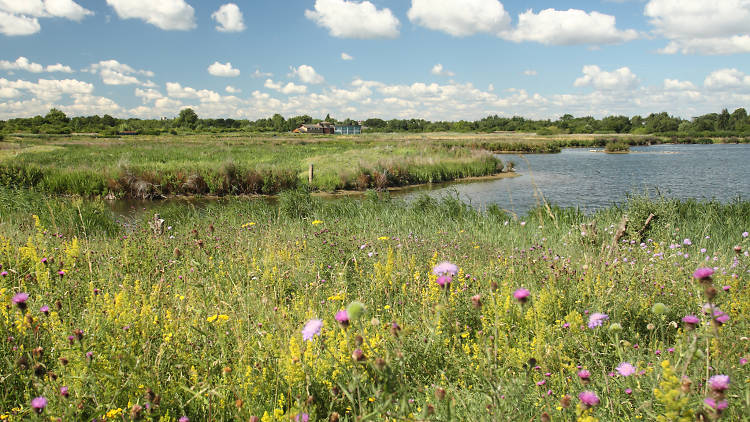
(580, 177)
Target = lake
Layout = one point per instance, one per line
(578, 177)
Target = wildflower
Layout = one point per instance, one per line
(690, 321)
(302, 417)
(521, 295)
(714, 405)
(38, 404)
(44, 309)
(444, 281)
(343, 318)
(64, 391)
(4, 274)
(61, 273)
(720, 317)
(184, 419)
(542, 382)
(316, 222)
(704, 273)
(628, 391)
(440, 393)
(445, 268)
(615, 327)
(89, 355)
(584, 375)
(745, 234)
(625, 369)
(395, 328)
(476, 301)
(596, 319)
(588, 398)
(355, 310)
(719, 383)
(20, 300)
(565, 401)
(312, 328)
(358, 355)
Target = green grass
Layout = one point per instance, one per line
(208, 316)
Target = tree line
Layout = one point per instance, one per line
(55, 121)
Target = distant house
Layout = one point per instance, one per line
(322, 127)
(348, 130)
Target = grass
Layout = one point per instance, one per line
(206, 319)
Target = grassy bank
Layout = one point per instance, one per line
(206, 320)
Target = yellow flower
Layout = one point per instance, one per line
(218, 318)
(383, 238)
(316, 222)
(246, 225)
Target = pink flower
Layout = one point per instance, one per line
(628, 391)
(584, 375)
(444, 281)
(522, 295)
(342, 317)
(588, 398)
(719, 382)
(445, 268)
(38, 404)
(714, 405)
(703, 273)
(625, 369)
(596, 319)
(311, 329)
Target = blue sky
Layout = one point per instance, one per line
(432, 59)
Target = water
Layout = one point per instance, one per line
(592, 180)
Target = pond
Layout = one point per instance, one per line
(591, 179)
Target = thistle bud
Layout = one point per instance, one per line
(358, 355)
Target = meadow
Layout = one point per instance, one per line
(373, 309)
(152, 167)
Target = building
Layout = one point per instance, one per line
(325, 128)
(348, 130)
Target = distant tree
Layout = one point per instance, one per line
(723, 120)
(661, 122)
(187, 117)
(617, 124)
(56, 117)
(108, 120)
(328, 117)
(278, 123)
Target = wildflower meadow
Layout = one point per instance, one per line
(306, 309)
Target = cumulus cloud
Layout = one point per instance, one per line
(677, 85)
(232, 90)
(440, 71)
(164, 14)
(307, 74)
(148, 95)
(700, 27)
(22, 63)
(289, 88)
(47, 89)
(351, 19)
(460, 17)
(568, 27)
(259, 74)
(619, 79)
(229, 17)
(345, 56)
(175, 90)
(727, 78)
(113, 72)
(223, 70)
(530, 72)
(20, 17)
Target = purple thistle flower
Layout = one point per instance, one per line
(721, 317)
(703, 273)
(625, 369)
(521, 295)
(444, 281)
(445, 268)
(745, 234)
(588, 398)
(628, 391)
(719, 382)
(4, 273)
(89, 355)
(44, 309)
(342, 317)
(64, 391)
(710, 402)
(596, 319)
(584, 374)
(61, 273)
(38, 404)
(20, 300)
(691, 321)
(311, 329)
(184, 419)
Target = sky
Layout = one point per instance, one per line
(429, 59)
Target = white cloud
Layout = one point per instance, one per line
(438, 70)
(620, 79)
(66, 9)
(345, 56)
(307, 74)
(86, 105)
(229, 17)
(11, 24)
(460, 17)
(224, 70)
(568, 27)
(23, 7)
(175, 90)
(164, 14)
(727, 78)
(47, 89)
(113, 72)
(350, 19)
(148, 95)
(530, 72)
(701, 27)
(289, 88)
(259, 74)
(232, 90)
(677, 85)
(22, 63)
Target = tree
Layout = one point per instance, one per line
(187, 117)
(55, 117)
(328, 117)
(723, 121)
